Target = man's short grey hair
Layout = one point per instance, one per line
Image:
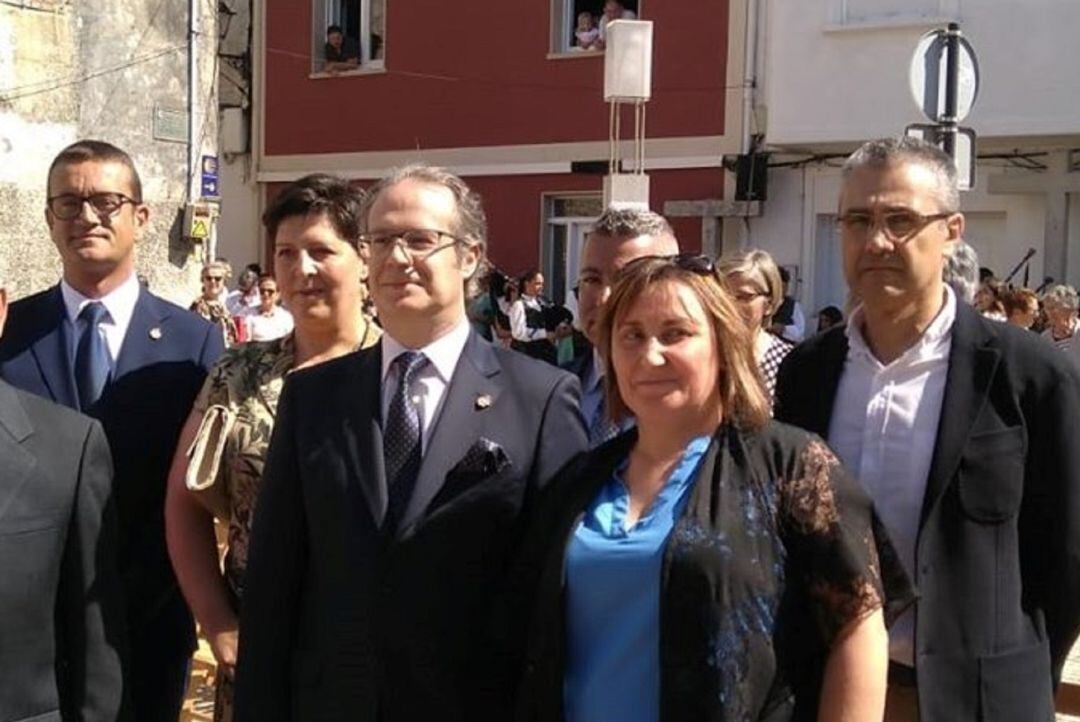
(471, 223)
(1063, 296)
(630, 223)
(887, 151)
(961, 271)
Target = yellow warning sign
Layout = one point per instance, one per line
(199, 221)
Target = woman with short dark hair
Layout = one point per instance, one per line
(217, 469)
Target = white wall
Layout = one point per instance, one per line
(239, 230)
(827, 80)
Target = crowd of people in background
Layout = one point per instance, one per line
(444, 496)
(250, 312)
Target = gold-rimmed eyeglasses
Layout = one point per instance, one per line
(898, 226)
(417, 243)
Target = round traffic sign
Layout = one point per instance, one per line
(928, 76)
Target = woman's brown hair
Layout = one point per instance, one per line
(742, 393)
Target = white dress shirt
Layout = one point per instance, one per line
(429, 387)
(120, 303)
(797, 330)
(884, 427)
(268, 326)
(519, 324)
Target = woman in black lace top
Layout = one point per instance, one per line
(768, 583)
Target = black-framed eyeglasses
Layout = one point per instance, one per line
(418, 243)
(68, 206)
(899, 226)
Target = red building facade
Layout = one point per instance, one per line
(495, 92)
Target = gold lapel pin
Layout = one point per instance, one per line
(155, 333)
(483, 401)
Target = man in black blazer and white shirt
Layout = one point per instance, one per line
(395, 486)
(962, 430)
(61, 608)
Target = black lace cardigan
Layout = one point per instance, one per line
(777, 550)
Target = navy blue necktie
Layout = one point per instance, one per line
(402, 438)
(91, 356)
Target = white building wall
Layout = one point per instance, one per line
(830, 81)
(834, 73)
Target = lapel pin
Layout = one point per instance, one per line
(155, 333)
(483, 401)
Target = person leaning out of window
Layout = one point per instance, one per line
(341, 53)
(710, 564)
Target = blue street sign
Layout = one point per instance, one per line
(210, 185)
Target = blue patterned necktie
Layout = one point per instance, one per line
(401, 438)
(91, 356)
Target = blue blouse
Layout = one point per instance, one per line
(613, 599)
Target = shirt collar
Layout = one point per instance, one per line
(597, 376)
(119, 302)
(933, 341)
(443, 352)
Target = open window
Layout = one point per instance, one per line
(576, 25)
(361, 42)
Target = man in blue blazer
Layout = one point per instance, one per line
(396, 487)
(100, 343)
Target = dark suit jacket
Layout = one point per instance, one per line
(61, 612)
(998, 552)
(157, 375)
(340, 621)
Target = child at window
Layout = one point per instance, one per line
(587, 32)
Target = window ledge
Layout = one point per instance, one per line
(369, 70)
(575, 54)
(893, 23)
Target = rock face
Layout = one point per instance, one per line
(105, 69)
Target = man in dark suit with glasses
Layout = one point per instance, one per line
(101, 344)
(396, 486)
(961, 429)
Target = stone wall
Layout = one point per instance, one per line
(98, 69)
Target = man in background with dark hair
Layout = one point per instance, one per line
(245, 298)
(100, 343)
(618, 237)
(789, 321)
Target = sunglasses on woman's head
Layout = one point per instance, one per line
(693, 262)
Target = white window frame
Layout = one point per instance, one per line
(563, 22)
(941, 11)
(325, 13)
(575, 229)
